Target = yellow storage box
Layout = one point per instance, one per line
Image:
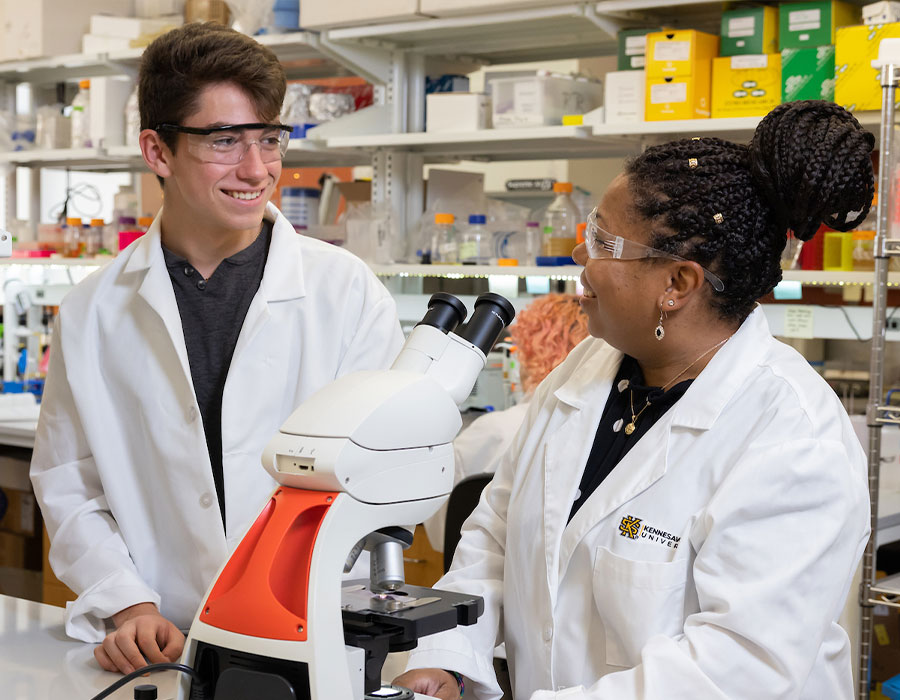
(678, 52)
(746, 86)
(857, 86)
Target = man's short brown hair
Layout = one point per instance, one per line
(176, 67)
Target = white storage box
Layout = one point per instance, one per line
(49, 27)
(542, 100)
(132, 27)
(624, 96)
(457, 111)
(107, 115)
(881, 13)
(91, 44)
(318, 14)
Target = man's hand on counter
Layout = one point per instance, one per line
(142, 636)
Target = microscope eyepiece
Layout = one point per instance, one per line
(492, 314)
(445, 312)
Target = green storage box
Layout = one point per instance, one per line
(807, 74)
(805, 24)
(633, 47)
(753, 30)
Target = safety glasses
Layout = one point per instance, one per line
(602, 244)
(228, 145)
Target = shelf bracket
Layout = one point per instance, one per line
(372, 63)
(609, 25)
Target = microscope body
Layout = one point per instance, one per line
(369, 452)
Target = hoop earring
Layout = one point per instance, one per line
(660, 332)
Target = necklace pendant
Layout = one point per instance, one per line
(629, 429)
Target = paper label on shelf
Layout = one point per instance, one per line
(798, 322)
(741, 26)
(525, 97)
(668, 93)
(638, 61)
(672, 51)
(804, 20)
(635, 45)
(881, 635)
(750, 61)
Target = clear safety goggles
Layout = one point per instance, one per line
(229, 144)
(602, 244)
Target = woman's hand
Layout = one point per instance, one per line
(430, 681)
(142, 636)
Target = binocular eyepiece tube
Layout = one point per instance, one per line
(492, 314)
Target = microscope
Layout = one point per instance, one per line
(357, 464)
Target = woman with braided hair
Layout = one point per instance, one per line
(683, 510)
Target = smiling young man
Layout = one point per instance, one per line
(173, 366)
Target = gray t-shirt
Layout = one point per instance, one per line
(212, 314)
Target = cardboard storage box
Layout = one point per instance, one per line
(807, 74)
(21, 515)
(48, 27)
(633, 48)
(624, 96)
(132, 27)
(753, 30)
(542, 100)
(457, 111)
(881, 13)
(679, 75)
(319, 14)
(803, 24)
(679, 52)
(746, 86)
(857, 86)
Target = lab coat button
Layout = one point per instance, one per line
(206, 500)
(548, 633)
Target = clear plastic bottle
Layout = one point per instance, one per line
(475, 242)
(132, 119)
(444, 241)
(73, 238)
(93, 236)
(81, 119)
(560, 221)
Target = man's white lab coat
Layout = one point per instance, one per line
(121, 467)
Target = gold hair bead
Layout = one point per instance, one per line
(695, 138)
(692, 163)
(718, 218)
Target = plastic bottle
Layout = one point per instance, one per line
(93, 236)
(144, 223)
(864, 240)
(81, 119)
(444, 242)
(132, 119)
(474, 242)
(73, 238)
(560, 221)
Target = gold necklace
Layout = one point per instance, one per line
(629, 429)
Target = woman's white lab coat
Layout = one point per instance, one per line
(713, 562)
(121, 467)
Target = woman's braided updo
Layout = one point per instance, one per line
(728, 206)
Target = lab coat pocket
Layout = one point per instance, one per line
(637, 600)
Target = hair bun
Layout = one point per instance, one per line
(812, 162)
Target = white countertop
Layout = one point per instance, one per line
(38, 661)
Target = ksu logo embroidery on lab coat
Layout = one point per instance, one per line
(635, 528)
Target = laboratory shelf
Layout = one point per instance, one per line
(58, 261)
(886, 591)
(77, 158)
(563, 272)
(534, 34)
(55, 69)
(830, 278)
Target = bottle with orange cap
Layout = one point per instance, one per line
(73, 238)
(444, 241)
(80, 116)
(93, 236)
(560, 222)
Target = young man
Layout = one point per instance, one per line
(173, 366)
